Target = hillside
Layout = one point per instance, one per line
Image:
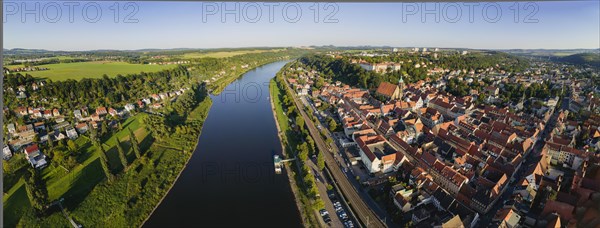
(583, 58)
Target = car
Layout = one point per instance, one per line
(348, 224)
(327, 219)
(342, 214)
(339, 208)
(331, 196)
(323, 212)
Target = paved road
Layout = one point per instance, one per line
(321, 185)
(359, 207)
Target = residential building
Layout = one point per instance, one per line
(71, 133)
(6, 152)
(35, 157)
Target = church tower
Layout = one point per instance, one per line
(400, 87)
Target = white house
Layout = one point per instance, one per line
(72, 133)
(11, 128)
(129, 107)
(77, 114)
(377, 154)
(7, 153)
(35, 156)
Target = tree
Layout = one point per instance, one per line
(332, 124)
(58, 158)
(134, 143)
(311, 143)
(318, 204)
(104, 128)
(121, 152)
(329, 141)
(72, 146)
(36, 190)
(321, 160)
(320, 82)
(302, 151)
(6, 166)
(50, 143)
(70, 162)
(104, 162)
(300, 122)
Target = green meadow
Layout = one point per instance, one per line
(79, 70)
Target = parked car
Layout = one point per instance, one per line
(339, 208)
(323, 212)
(342, 214)
(327, 219)
(348, 224)
(332, 196)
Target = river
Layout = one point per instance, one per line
(230, 178)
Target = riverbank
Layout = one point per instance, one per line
(288, 170)
(184, 166)
(304, 204)
(218, 85)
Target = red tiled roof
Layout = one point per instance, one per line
(386, 89)
(31, 149)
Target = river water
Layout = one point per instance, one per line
(230, 179)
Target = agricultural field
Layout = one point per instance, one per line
(224, 54)
(76, 71)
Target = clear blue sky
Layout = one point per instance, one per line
(560, 25)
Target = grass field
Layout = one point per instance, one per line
(76, 71)
(276, 96)
(16, 202)
(223, 54)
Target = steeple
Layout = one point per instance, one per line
(401, 87)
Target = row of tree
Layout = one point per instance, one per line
(305, 147)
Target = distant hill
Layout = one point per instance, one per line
(583, 59)
(549, 52)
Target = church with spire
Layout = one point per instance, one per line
(391, 91)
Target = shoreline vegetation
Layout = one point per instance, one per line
(291, 135)
(127, 196)
(187, 160)
(288, 169)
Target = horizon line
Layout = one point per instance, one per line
(301, 46)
